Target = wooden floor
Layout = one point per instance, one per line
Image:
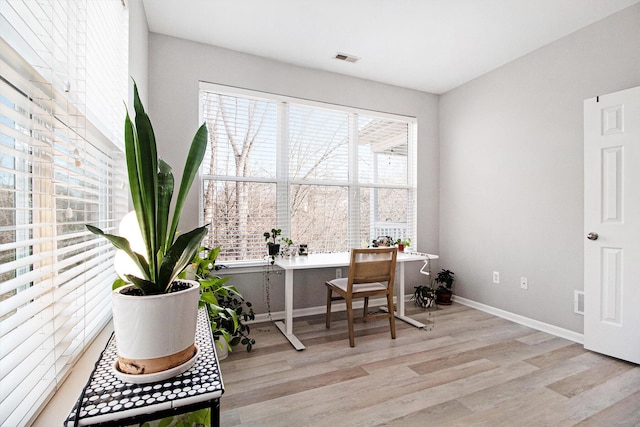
(467, 368)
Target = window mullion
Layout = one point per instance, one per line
(283, 216)
(354, 238)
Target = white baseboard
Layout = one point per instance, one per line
(535, 324)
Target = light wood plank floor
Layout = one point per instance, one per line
(467, 368)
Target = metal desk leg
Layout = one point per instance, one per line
(400, 313)
(286, 327)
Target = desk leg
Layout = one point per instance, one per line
(400, 313)
(286, 327)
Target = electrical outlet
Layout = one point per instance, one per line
(338, 273)
(524, 283)
(496, 277)
(578, 302)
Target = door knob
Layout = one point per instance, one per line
(592, 236)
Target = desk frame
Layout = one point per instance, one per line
(317, 261)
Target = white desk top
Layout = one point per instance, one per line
(338, 259)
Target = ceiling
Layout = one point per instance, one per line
(428, 45)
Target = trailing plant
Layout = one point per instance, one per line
(201, 417)
(273, 248)
(243, 313)
(151, 182)
(424, 296)
(272, 236)
(227, 309)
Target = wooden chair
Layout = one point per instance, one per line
(371, 273)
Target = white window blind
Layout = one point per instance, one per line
(58, 172)
(81, 48)
(328, 176)
(239, 173)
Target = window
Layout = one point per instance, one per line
(328, 176)
(58, 171)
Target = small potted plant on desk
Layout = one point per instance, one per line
(403, 244)
(288, 250)
(273, 246)
(444, 279)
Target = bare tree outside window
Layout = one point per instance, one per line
(274, 164)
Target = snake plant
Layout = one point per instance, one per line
(151, 183)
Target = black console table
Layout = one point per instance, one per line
(109, 401)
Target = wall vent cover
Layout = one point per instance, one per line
(346, 57)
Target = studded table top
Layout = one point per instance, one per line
(106, 398)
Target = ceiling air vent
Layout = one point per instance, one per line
(346, 57)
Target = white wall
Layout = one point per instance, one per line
(511, 169)
(138, 51)
(175, 68)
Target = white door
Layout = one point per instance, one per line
(612, 224)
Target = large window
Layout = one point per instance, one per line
(328, 176)
(60, 168)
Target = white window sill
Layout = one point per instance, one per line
(61, 402)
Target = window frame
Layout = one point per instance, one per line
(282, 180)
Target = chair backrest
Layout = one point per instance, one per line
(372, 265)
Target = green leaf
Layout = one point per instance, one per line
(118, 283)
(147, 287)
(209, 298)
(213, 254)
(165, 193)
(215, 284)
(179, 255)
(194, 159)
(146, 158)
(123, 244)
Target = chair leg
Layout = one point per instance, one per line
(392, 318)
(328, 314)
(366, 308)
(352, 342)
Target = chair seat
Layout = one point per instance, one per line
(359, 287)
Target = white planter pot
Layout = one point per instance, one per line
(157, 332)
(222, 349)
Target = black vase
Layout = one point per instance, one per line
(273, 249)
(443, 296)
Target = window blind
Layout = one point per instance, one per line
(330, 177)
(239, 173)
(58, 172)
(81, 48)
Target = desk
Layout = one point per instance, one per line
(341, 259)
(108, 401)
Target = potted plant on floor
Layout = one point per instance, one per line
(444, 279)
(154, 314)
